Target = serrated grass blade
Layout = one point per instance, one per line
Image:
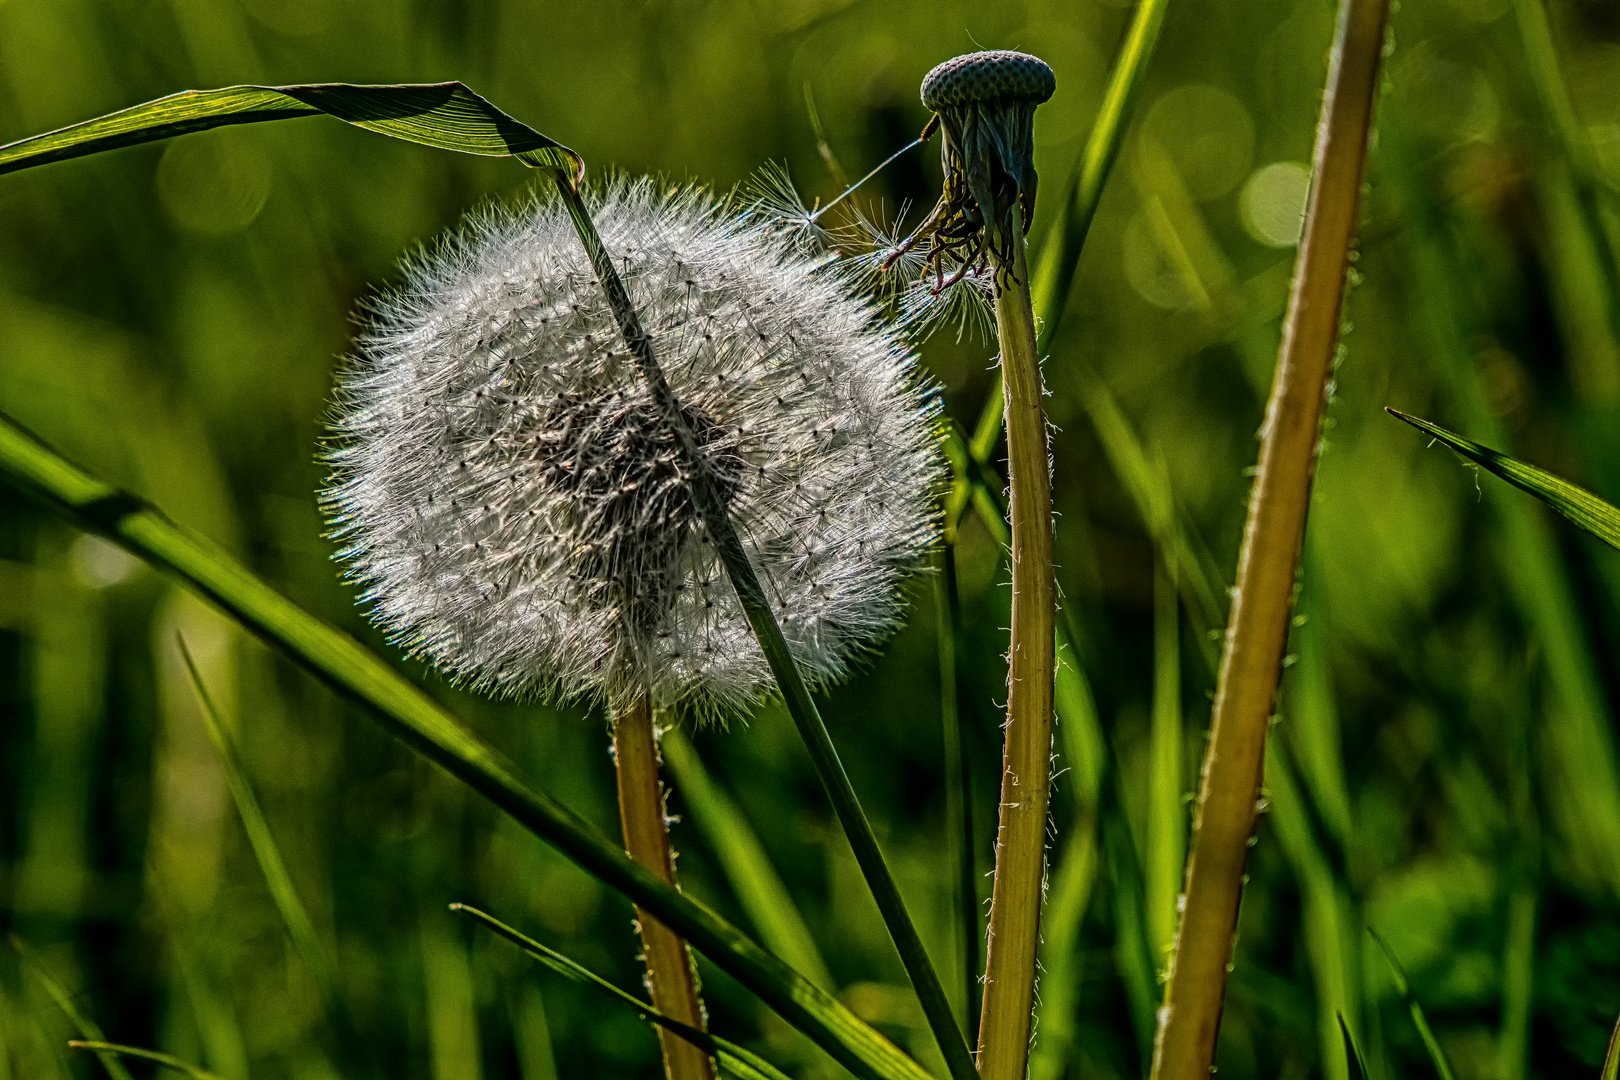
(414, 718)
(449, 116)
(87, 1028)
(1442, 1066)
(1600, 518)
(733, 1059)
(168, 1061)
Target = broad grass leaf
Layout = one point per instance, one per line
(445, 115)
(1585, 509)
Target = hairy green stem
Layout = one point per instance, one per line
(1015, 903)
(1262, 605)
(796, 695)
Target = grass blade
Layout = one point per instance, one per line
(87, 1028)
(1611, 1060)
(263, 842)
(409, 714)
(1262, 605)
(1059, 257)
(445, 115)
(166, 1060)
(1354, 1062)
(1585, 509)
(1442, 1067)
(733, 1058)
(759, 888)
(958, 781)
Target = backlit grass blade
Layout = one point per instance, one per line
(1575, 724)
(168, 1061)
(293, 914)
(733, 1059)
(1611, 1060)
(446, 115)
(86, 1027)
(1059, 257)
(410, 715)
(748, 869)
(1354, 1062)
(1442, 1066)
(1585, 509)
(1328, 937)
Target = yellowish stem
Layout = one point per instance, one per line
(1257, 632)
(646, 839)
(1015, 905)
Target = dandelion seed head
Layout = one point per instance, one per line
(507, 494)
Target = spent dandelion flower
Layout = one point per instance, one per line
(504, 488)
(510, 489)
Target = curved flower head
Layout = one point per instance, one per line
(508, 495)
(986, 105)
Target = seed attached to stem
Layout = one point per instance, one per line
(986, 104)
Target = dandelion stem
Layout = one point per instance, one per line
(1015, 906)
(795, 694)
(646, 839)
(1262, 604)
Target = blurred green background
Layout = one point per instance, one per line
(1444, 767)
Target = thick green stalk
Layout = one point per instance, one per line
(795, 694)
(1257, 632)
(407, 712)
(1015, 903)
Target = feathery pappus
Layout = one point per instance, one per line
(505, 491)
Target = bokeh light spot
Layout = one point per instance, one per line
(1273, 203)
(215, 182)
(1208, 134)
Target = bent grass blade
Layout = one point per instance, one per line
(733, 1059)
(294, 916)
(168, 1061)
(414, 718)
(1442, 1065)
(449, 116)
(1600, 518)
(87, 1028)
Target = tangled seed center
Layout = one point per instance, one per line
(629, 506)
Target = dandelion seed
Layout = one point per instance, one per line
(506, 492)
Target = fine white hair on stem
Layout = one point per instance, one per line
(507, 494)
